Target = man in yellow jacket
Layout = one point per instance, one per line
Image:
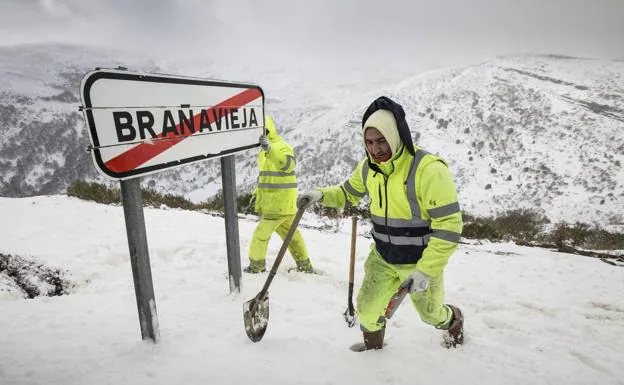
(275, 201)
(416, 224)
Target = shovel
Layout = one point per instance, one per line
(256, 310)
(397, 298)
(349, 315)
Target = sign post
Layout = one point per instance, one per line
(139, 258)
(142, 123)
(228, 180)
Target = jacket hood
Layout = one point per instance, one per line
(385, 103)
(270, 129)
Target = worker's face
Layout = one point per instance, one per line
(376, 145)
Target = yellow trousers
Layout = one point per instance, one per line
(382, 280)
(262, 235)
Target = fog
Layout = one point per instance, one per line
(419, 33)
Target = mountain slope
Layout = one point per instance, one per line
(536, 132)
(540, 132)
(43, 138)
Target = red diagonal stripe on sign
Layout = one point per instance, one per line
(143, 152)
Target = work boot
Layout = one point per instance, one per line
(305, 266)
(255, 266)
(372, 340)
(455, 330)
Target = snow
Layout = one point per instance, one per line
(202, 194)
(532, 315)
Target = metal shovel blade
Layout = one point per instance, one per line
(350, 317)
(397, 298)
(256, 317)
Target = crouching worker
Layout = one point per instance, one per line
(275, 201)
(416, 222)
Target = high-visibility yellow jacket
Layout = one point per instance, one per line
(414, 209)
(276, 193)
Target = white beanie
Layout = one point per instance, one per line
(385, 123)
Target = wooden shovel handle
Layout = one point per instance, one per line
(280, 254)
(350, 309)
(353, 239)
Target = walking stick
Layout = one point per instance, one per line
(349, 314)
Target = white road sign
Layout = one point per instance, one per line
(141, 123)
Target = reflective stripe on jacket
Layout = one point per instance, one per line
(414, 209)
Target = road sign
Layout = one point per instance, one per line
(141, 123)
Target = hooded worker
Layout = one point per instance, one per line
(416, 224)
(275, 201)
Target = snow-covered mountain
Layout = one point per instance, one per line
(529, 131)
(540, 132)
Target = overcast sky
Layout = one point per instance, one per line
(432, 33)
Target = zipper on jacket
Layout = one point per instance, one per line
(386, 198)
(386, 210)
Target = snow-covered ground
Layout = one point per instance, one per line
(532, 316)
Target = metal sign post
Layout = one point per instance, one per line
(228, 180)
(139, 258)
